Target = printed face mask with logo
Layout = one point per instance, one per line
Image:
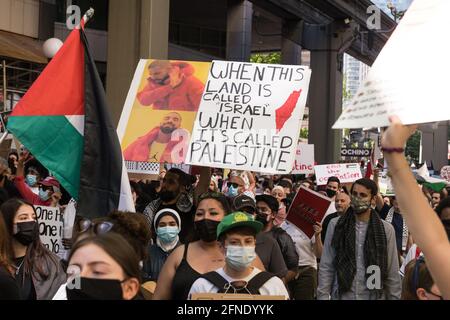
(360, 205)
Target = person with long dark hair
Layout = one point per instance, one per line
(38, 272)
(103, 267)
(9, 289)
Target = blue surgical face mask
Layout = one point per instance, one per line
(31, 180)
(44, 195)
(232, 192)
(239, 258)
(167, 234)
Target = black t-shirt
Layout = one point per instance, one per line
(25, 283)
(9, 290)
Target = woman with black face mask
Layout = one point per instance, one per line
(185, 265)
(38, 272)
(103, 267)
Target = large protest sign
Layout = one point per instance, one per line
(159, 113)
(346, 172)
(51, 229)
(249, 117)
(398, 84)
(308, 208)
(304, 159)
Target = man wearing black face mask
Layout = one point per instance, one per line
(359, 252)
(267, 247)
(267, 206)
(333, 186)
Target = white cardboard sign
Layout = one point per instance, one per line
(249, 117)
(398, 83)
(304, 159)
(346, 172)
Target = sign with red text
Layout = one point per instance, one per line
(308, 208)
(304, 159)
(249, 117)
(346, 172)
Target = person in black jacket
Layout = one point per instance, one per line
(9, 290)
(267, 207)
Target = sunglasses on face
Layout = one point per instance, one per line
(233, 184)
(97, 227)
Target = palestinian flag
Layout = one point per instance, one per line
(423, 177)
(64, 121)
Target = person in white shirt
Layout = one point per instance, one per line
(237, 235)
(304, 285)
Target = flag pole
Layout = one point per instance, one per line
(87, 16)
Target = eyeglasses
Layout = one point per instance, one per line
(97, 227)
(233, 184)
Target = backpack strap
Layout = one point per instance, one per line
(258, 281)
(216, 279)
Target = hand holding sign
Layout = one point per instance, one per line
(397, 134)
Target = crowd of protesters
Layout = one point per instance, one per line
(216, 233)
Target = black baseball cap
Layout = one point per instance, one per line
(243, 201)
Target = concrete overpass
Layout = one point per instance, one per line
(233, 29)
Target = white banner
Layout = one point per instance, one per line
(304, 160)
(249, 117)
(398, 83)
(51, 227)
(346, 172)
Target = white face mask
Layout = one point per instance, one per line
(239, 258)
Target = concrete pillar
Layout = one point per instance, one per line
(239, 30)
(47, 18)
(435, 144)
(138, 29)
(291, 50)
(325, 95)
